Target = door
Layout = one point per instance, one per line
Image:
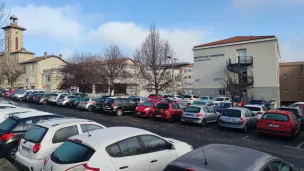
(61, 135)
(158, 151)
(126, 104)
(212, 112)
(207, 113)
(176, 110)
(242, 53)
(128, 155)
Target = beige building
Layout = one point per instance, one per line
(253, 59)
(187, 79)
(34, 67)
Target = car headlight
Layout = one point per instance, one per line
(147, 109)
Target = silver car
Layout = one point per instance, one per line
(238, 118)
(63, 100)
(199, 114)
(87, 103)
(223, 157)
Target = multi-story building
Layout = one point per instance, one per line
(254, 60)
(291, 82)
(187, 79)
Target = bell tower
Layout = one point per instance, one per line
(13, 36)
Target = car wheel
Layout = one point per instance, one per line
(11, 154)
(203, 123)
(90, 108)
(172, 119)
(44, 102)
(119, 112)
(245, 129)
(150, 115)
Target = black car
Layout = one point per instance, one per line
(222, 106)
(100, 102)
(14, 127)
(32, 97)
(119, 105)
(74, 102)
(2, 93)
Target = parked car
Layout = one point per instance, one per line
(218, 100)
(119, 148)
(100, 102)
(139, 99)
(54, 97)
(278, 122)
(296, 111)
(42, 100)
(33, 96)
(63, 100)
(190, 98)
(5, 113)
(257, 109)
(257, 102)
(175, 97)
(222, 106)
(146, 109)
(206, 98)
(238, 118)
(74, 102)
(167, 111)
(13, 128)
(20, 95)
(153, 96)
(203, 103)
(119, 105)
(224, 157)
(181, 103)
(238, 102)
(2, 94)
(80, 94)
(8, 93)
(199, 115)
(44, 137)
(87, 103)
(31, 92)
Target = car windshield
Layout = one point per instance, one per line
(147, 104)
(85, 99)
(253, 108)
(275, 117)
(162, 106)
(232, 113)
(237, 100)
(219, 99)
(294, 111)
(204, 98)
(71, 152)
(225, 105)
(35, 134)
(187, 96)
(256, 102)
(199, 103)
(102, 99)
(8, 124)
(192, 109)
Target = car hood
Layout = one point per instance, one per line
(142, 108)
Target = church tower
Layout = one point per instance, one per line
(13, 36)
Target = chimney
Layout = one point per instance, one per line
(60, 56)
(45, 54)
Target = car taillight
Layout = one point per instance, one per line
(83, 167)
(74, 103)
(86, 102)
(6, 137)
(241, 121)
(113, 104)
(189, 169)
(191, 98)
(20, 140)
(199, 115)
(36, 148)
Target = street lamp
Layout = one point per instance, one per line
(173, 59)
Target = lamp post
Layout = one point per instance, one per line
(173, 59)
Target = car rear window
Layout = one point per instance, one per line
(162, 106)
(199, 103)
(109, 101)
(61, 97)
(35, 134)
(8, 124)
(232, 113)
(225, 105)
(147, 104)
(253, 108)
(85, 99)
(192, 109)
(72, 152)
(294, 111)
(275, 117)
(256, 101)
(219, 99)
(187, 96)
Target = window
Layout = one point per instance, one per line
(26, 80)
(211, 109)
(175, 106)
(285, 90)
(189, 70)
(253, 108)
(276, 117)
(126, 101)
(247, 113)
(222, 92)
(32, 87)
(285, 75)
(192, 109)
(189, 77)
(153, 143)
(131, 89)
(162, 106)
(89, 127)
(8, 124)
(101, 88)
(127, 147)
(48, 78)
(17, 43)
(232, 113)
(205, 110)
(30, 122)
(150, 87)
(35, 134)
(32, 67)
(279, 166)
(63, 134)
(185, 77)
(33, 79)
(293, 117)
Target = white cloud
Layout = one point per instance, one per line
(130, 35)
(50, 22)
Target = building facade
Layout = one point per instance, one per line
(254, 60)
(187, 79)
(291, 82)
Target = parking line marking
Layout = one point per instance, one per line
(246, 137)
(300, 144)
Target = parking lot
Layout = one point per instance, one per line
(290, 150)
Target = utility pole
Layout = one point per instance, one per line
(172, 72)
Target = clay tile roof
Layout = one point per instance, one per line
(23, 51)
(37, 59)
(292, 63)
(234, 40)
(13, 26)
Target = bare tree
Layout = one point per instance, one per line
(112, 67)
(11, 70)
(231, 85)
(153, 62)
(79, 71)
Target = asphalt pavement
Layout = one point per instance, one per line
(291, 151)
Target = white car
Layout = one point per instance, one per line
(190, 98)
(63, 100)
(257, 109)
(43, 138)
(218, 100)
(175, 97)
(7, 106)
(5, 113)
(54, 97)
(115, 149)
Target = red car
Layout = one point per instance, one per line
(8, 93)
(167, 111)
(153, 96)
(278, 122)
(238, 102)
(146, 109)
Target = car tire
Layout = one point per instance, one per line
(119, 112)
(90, 108)
(172, 119)
(203, 123)
(11, 153)
(245, 129)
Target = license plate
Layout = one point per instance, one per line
(26, 149)
(272, 125)
(97, 107)
(158, 116)
(138, 113)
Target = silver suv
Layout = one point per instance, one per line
(199, 114)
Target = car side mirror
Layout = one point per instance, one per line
(171, 146)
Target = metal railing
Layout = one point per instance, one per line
(248, 60)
